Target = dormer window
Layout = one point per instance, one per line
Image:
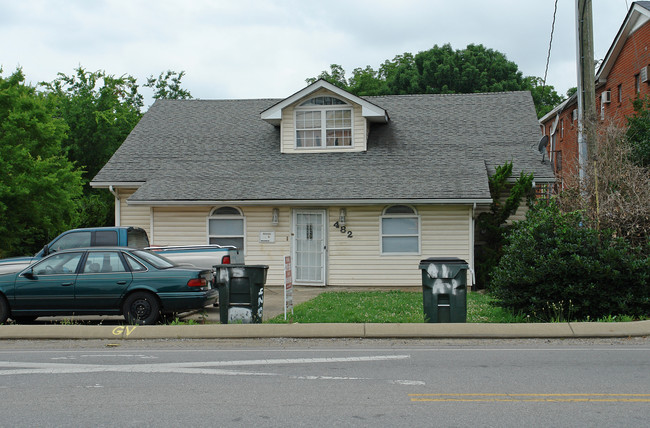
(323, 122)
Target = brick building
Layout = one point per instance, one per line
(623, 76)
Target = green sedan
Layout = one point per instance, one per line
(138, 284)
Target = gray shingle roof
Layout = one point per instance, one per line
(434, 147)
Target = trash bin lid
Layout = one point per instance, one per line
(445, 260)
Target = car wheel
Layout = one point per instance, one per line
(4, 310)
(24, 320)
(141, 308)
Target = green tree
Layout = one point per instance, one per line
(366, 81)
(401, 75)
(492, 224)
(545, 97)
(638, 132)
(39, 186)
(443, 70)
(473, 69)
(336, 76)
(100, 110)
(168, 86)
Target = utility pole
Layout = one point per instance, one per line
(587, 142)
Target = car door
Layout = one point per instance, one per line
(101, 282)
(48, 286)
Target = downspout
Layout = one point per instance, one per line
(117, 204)
(472, 218)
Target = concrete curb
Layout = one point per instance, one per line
(368, 330)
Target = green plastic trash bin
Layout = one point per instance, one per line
(241, 292)
(444, 289)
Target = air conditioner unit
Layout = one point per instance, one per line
(606, 97)
(643, 74)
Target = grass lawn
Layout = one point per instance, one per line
(385, 307)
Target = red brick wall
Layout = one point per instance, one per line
(634, 56)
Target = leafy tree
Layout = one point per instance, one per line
(554, 268)
(473, 69)
(544, 97)
(168, 86)
(638, 133)
(443, 70)
(39, 186)
(100, 110)
(366, 81)
(492, 224)
(401, 75)
(336, 76)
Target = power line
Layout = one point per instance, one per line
(550, 44)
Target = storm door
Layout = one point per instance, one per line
(309, 247)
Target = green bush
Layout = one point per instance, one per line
(555, 269)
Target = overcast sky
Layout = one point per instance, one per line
(267, 48)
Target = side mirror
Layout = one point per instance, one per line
(29, 273)
(46, 250)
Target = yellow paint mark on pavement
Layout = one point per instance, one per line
(547, 398)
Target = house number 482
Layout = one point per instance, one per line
(343, 229)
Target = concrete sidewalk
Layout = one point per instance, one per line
(274, 305)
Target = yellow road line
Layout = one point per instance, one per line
(547, 398)
(527, 395)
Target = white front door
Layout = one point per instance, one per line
(309, 247)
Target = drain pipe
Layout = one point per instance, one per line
(117, 204)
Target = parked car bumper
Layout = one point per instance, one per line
(181, 302)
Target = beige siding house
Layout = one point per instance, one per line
(356, 189)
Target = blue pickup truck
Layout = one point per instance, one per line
(203, 256)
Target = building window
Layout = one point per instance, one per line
(323, 122)
(557, 159)
(561, 128)
(400, 230)
(620, 93)
(637, 83)
(226, 227)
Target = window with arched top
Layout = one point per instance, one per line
(226, 227)
(400, 230)
(323, 122)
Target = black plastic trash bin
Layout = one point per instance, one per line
(241, 292)
(444, 289)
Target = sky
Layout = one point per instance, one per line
(239, 49)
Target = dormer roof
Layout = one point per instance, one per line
(370, 111)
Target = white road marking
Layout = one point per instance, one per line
(9, 368)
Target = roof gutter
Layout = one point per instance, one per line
(293, 202)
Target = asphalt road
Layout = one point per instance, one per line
(327, 382)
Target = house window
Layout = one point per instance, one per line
(561, 128)
(400, 230)
(557, 159)
(620, 93)
(637, 83)
(226, 227)
(324, 122)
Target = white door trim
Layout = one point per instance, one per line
(309, 247)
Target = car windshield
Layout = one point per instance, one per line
(154, 259)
